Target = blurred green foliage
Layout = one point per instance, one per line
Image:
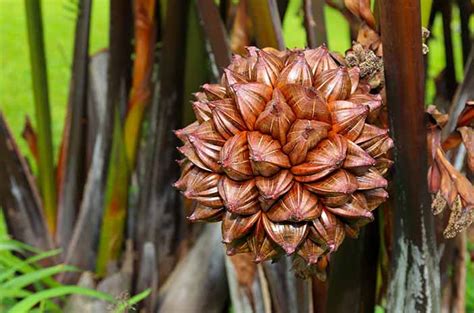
(59, 17)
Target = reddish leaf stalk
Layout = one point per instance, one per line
(145, 30)
(413, 231)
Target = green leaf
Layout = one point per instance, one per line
(36, 276)
(19, 266)
(133, 300)
(25, 305)
(8, 244)
(47, 179)
(13, 293)
(9, 261)
(425, 11)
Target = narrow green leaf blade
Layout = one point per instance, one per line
(132, 301)
(25, 305)
(36, 276)
(42, 111)
(20, 266)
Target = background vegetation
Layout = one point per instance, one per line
(16, 98)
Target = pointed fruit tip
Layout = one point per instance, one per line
(289, 249)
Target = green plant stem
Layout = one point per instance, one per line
(42, 112)
(116, 196)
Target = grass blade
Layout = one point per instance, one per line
(24, 280)
(13, 293)
(10, 261)
(42, 111)
(132, 301)
(19, 266)
(28, 303)
(16, 245)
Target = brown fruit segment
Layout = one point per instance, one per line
(202, 110)
(354, 73)
(375, 197)
(226, 118)
(261, 245)
(371, 180)
(276, 119)
(307, 102)
(354, 209)
(297, 205)
(188, 151)
(335, 84)
(243, 66)
(303, 136)
(375, 141)
(234, 158)
(357, 160)
(187, 168)
(250, 99)
(236, 226)
(207, 152)
(327, 157)
(348, 118)
(383, 165)
(214, 91)
(266, 157)
(310, 251)
(183, 133)
(272, 188)
(267, 68)
(287, 236)
(319, 60)
(374, 102)
(207, 132)
(202, 187)
(239, 197)
(335, 200)
(237, 246)
(340, 182)
(327, 231)
(207, 214)
(230, 78)
(297, 72)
